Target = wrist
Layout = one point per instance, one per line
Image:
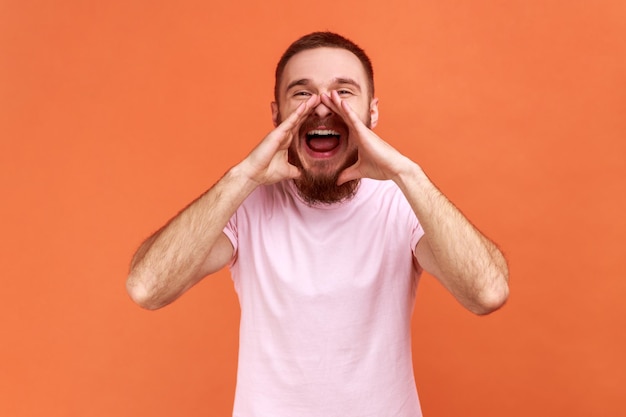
(239, 176)
(409, 174)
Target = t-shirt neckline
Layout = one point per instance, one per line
(293, 189)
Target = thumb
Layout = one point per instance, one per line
(293, 172)
(349, 174)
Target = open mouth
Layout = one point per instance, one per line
(322, 140)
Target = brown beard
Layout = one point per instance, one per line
(323, 188)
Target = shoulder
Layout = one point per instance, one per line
(380, 190)
(268, 198)
(387, 197)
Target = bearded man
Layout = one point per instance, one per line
(326, 229)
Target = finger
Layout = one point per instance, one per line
(311, 104)
(345, 111)
(350, 115)
(288, 128)
(300, 114)
(332, 104)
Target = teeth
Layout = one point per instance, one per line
(325, 132)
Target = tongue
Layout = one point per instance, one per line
(323, 144)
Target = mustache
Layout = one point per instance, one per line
(330, 122)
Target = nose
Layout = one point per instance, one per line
(322, 111)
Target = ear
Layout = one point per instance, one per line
(275, 114)
(374, 112)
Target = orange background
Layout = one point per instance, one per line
(114, 115)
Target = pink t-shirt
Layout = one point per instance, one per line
(326, 295)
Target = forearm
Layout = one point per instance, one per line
(462, 258)
(453, 250)
(192, 244)
(183, 251)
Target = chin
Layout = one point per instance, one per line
(318, 184)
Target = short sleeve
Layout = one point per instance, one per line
(231, 233)
(416, 234)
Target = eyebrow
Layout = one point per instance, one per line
(349, 81)
(338, 80)
(303, 81)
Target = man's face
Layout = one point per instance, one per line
(323, 147)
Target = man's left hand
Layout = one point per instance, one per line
(377, 159)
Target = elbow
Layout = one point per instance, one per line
(141, 293)
(491, 299)
(490, 302)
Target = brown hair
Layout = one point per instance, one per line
(321, 40)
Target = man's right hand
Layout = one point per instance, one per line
(268, 162)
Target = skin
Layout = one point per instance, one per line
(345, 75)
(303, 77)
(323, 86)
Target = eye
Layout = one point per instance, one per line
(344, 92)
(302, 94)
